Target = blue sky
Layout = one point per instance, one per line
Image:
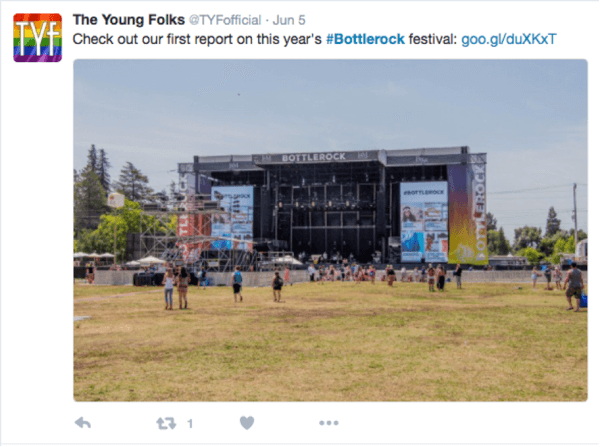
(530, 117)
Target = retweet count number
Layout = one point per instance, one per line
(190, 421)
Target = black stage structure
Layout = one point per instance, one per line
(345, 202)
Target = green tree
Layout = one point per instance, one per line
(560, 245)
(532, 255)
(128, 219)
(92, 158)
(492, 222)
(581, 235)
(497, 242)
(552, 223)
(559, 248)
(547, 245)
(102, 169)
(527, 237)
(554, 258)
(570, 245)
(89, 200)
(133, 184)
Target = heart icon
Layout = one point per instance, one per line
(247, 422)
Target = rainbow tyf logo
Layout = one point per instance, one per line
(37, 37)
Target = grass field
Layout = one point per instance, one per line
(331, 342)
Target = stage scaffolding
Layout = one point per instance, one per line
(179, 231)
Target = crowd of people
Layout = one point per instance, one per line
(179, 277)
(435, 276)
(551, 274)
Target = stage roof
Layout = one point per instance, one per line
(384, 157)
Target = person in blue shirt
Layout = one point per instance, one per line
(202, 278)
(236, 280)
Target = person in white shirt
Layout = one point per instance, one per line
(311, 273)
(168, 281)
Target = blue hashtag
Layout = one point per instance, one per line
(330, 38)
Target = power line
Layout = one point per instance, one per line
(517, 191)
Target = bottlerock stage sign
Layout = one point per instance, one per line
(316, 157)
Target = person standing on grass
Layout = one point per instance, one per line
(359, 274)
(90, 275)
(391, 276)
(574, 280)
(558, 277)
(349, 274)
(311, 273)
(183, 280)
(548, 275)
(534, 276)
(236, 280)
(286, 275)
(441, 274)
(331, 273)
(372, 273)
(168, 282)
(403, 274)
(277, 284)
(431, 278)
(322, 275)
(458, 276)
(202, 279)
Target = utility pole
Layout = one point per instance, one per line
(116, 200)
(575, 212)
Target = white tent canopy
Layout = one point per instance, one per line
(287, 260)
(150, 260)
(133, 263)
(106, 255)
(80, 255)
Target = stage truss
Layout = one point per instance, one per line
(179, 231)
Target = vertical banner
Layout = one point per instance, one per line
(235, 227)
(186, 226)
(424, 221)
(185, 230)
(467, 214)
(191, 226)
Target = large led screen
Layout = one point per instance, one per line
(234, 226)
(424, 221)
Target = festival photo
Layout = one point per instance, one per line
(330, 230)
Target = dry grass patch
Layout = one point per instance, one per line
(332, 342)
